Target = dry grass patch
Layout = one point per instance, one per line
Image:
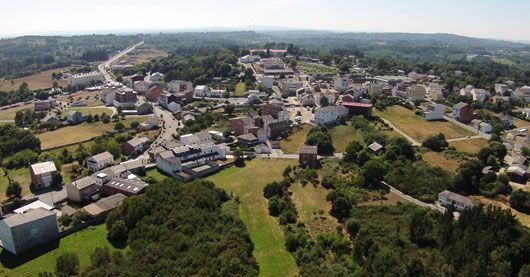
(471, 146)
(313, 209)
(40, 80)
(9, 114)
(291, 144)
(419, 128)
(438, 159)
(342, 135)
(145, 54)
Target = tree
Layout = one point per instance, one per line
(352, 150)
(119, 126)
(319, 136)
(229, 109)
(340, 208)
(352, 226)
(89, 118)
(67, 264)
(520, 200)
(287, 171)
(373, 172)
(14, 189)
(238, 154)
(118, 231)
(436, 143)
(134, 124)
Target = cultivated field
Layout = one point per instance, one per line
(9, 114)
(292, 143)
(471, 146)
(313, 68)
(82, 243)
(313, 209)
(40, 80)
(81, 132)
(419, 128)
(265, 231)
(145, 54)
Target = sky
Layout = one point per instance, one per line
(501, 19)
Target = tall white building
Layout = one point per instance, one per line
(85, 78)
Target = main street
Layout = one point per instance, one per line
(103, 67)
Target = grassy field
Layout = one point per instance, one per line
(241, 88)
(21, 175)
(3, 185)
(247, 183)
(145, 54)
(342, 135)
(313, 68)
(9, 114)
(419, 128)
(292, 143)
(92, 98)
(81, 132)
(40, 80)
(83, 243)
(156, 174)
(471, 146)
(438, 159)
(88, 110)
(313, 209)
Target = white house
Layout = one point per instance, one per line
(415, 93)
(329, 114)
(85, 78)
(435, 91)
(202, 91)
(290, 86)
(99, 161)
(157, 76)
(168, 163)
(479, 94)
(180, 86)
(460, 202)
(434, 112)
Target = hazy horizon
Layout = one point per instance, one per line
(506, 20)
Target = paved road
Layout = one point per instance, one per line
(103, 66)
(414, 200)
(465, 138)
(409, 138)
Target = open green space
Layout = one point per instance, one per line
(82, 243)
(241, 88)
(292, 143)
(314, 68)
(21, 175)
(419, 128)
(247, 184)
(342, 135)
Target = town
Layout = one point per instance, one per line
(265, 153)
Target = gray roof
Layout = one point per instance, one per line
(31, 215)
(169, 157)
(72, 112)
(460, 105)
(248, 136)
(203, 135)
(134, 186)
(137, 141)
(110, 202)
(84, 182)
(308, 149)
(44, 167)
(101, 157)
(457, 198)
(375, 146)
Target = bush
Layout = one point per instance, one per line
(67, 265)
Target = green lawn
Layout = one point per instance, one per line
(156, 174)
(342, 135)
(82, 243)
(247, 183)
(89, 110)
(22, 176)
(292, 143)
(241, 88)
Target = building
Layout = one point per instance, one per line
(178, 86)
(22, 232)
(168, 163)
(308, 156)
(196, 138)
(153, 92)
(43, 174)
(415, 93)
(102, 207)
(435, 91)
(127, 187)
(263, 149)
(479, 94)
(290, 86)
(501, 89)
(144, 108)
(124, 97)
(99, 161)
(157, 77)
(173, 107)
(434, 112)
(202, 91)
(44, 105)
(82, 79)
(467, 91)
(130, 80)
(375, 147)
(460, 202)
(141, 86)
(247, 140)
(267, 81)
(135, 146)
(74, 117)
(358, 108)
(241, 125)
(463, 112)
(523, 92)
(481, 126)
(249, 59)
(342, 84)
(329, 114)
(83, 190)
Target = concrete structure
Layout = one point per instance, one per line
(415, 93)
(249, 59)
(127, 187)
(99, 161)
(22, 232)
(241, 125)
(460, 202)
(308, 156)
(93, 77)
(267, 81)
(42, 174)
(74, 117)
(168, 163)
(329, 114)
(178, 86)
(342, 84)
(44, 105)
(135, 146)
(124, 97)
(82, 190)
(479, 94)
(434, 112)
(102, 207)
(290, 86)
(153, 92)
